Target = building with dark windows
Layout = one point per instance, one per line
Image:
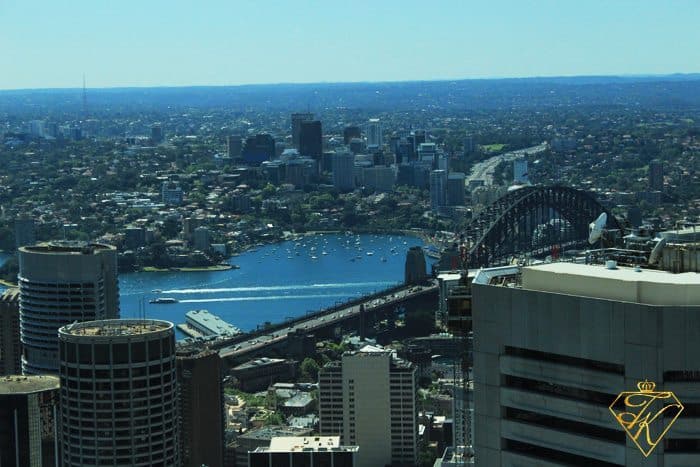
(119, 393)
(369, 400)
(455, 189)
(258, 148)
(10, 346)
(307, 451)
(201, 404)
(25, 231)
(234, 146)
(156, 134)
(28, 411)
(311, 140)
(343, 170)
(297, 119)
(61, 283)
(554, 346)
(415, 266)
(350, 132)
(656, 175)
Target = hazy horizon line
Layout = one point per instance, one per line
(308, 83)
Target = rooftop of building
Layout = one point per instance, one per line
(306, 443)
(67, 247)
(27, 384)
(116, 327)
(603, 281)
(274, 431)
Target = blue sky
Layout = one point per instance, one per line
(49, 43)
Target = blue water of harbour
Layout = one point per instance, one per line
(274, 281)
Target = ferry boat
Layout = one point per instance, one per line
(163, 300)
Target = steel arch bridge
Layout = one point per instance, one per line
(533, 220)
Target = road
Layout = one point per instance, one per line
(484, 170)
(258, 342)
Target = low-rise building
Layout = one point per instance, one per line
(307, 451)
(258, 374)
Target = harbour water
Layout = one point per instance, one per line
(274, 281)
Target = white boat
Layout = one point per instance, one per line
(369, 253)
(314, 257)
(163, 300)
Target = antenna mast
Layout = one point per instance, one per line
(84, 99)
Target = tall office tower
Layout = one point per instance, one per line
(28, 420)
(304, 451)
(25, 231)
(61, 283)
(10, 348)
(374, 132)
(344, 170)
(427, 152)
(234, 146)
(455, 189)
(556, 344)
(156, 133)
(311, 140)
(119, 393)
(520, 171)
(350, 132)
(369, 399)
(297, 118)
(469, 145)
(201, 404)
(36, 128)
(258, 148)
(414, 269)
(418, 138)
(438, 189)
(656, 175)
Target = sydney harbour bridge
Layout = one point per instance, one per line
(531, 220)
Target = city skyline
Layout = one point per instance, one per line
(166, 44)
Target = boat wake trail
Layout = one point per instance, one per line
(263, 298)
(272, 288)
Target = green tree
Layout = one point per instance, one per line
(309, 369)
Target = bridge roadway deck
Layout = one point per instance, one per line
(321, 320)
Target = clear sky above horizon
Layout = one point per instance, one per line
(47, 44)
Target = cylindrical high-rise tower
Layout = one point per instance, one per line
(61, 283)
(118, 393)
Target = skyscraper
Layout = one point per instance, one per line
(374, 132)
(156, 133)
(60, 283)
(10, 348)
(350, 132)
(656, 175)
(455, 189)
(28, 421)
(554, 346)
(311, 140)
(369, 399)
(344, 170)
(306, 451)
(201, 404)
(297, 118)
(438, 189)
(520, 171)
(25, 231)
(234, 146)
(258, 148)
(119, 393)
